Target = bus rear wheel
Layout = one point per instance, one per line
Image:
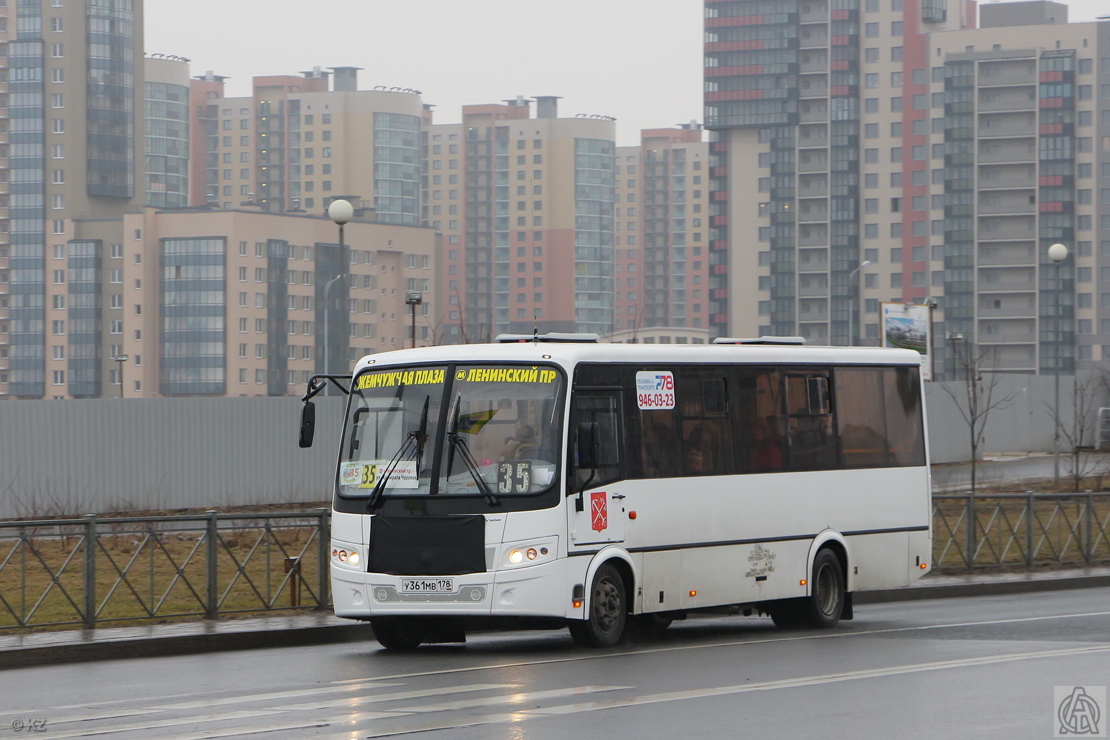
(608, 611)
(401, 635)
(825, 603)
(826, 600)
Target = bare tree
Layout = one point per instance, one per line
(1088, 393)
(976, 395)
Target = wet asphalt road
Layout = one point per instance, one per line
(960, 668)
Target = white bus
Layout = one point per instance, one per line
(559, 481)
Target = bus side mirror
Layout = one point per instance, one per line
(308, 424)
(589, 439)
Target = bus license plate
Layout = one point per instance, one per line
(427, 585)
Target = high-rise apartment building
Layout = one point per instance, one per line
(526, 207)
(295, 145)
(167, 117)
(71, 122)
(888, 150)
(661, 253)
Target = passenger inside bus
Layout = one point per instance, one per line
(700, 450)
(763, 451)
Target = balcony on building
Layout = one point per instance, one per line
(1007, 307)
(1007, 151)
(1006, 279)
(995, 228)
(1007, 177)
(813, 112)
(813, 162)
(813, 86)
(813, 309)
(1008, 99)
(1016, 331)
(813, 260)
(813, 37)
(1007, 254)
(813, 236)
(814, 61)
(813, 186)
(813, 286)
(1007, 203)
(813, 135)
(813, 210)
(1001, 125)
(1007, 72)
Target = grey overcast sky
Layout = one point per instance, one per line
(637, 60)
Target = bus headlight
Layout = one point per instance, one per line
(346, 556)
(529, 553)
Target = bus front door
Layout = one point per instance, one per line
(596, 507)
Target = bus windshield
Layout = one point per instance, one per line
(472, 430)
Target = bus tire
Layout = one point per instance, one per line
(608, 611)
(400, 635)
(827, 596)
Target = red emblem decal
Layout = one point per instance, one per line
(599, 506)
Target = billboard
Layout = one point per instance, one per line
(909, 327)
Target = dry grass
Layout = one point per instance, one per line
(164, 573)
(1006, 535)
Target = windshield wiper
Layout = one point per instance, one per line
(457, 442)
(416, 438)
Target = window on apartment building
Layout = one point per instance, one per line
(56, 25)
(871, 55)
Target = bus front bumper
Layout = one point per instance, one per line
(533, 591)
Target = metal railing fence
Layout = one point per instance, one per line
(1027, 529)
(95, 571)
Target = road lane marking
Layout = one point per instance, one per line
(512, 698)
(803, 681)
(399, 696)
(827, 635)
(287, 694)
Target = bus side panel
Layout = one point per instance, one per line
(734, 574)
(874, 562)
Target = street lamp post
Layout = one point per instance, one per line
(120, 359)
(414, 299)
(853, 303)
(1057, 253)
(340, 212)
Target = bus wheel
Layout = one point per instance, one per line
(826, 600)
(608, 611)
(398, 634)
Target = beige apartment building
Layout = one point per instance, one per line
(71, 129)
(889, 151)
(243, 302)
(299, 142)
(661, 244)
(526, 208)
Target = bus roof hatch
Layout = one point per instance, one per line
(557, 337)
(793, 341)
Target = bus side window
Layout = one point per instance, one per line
(661, 454)
(811, 436)
(604, 410)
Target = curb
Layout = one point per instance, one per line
(191, 644)
(980, 588)
(166, 646)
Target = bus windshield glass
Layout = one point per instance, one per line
(472, 430)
